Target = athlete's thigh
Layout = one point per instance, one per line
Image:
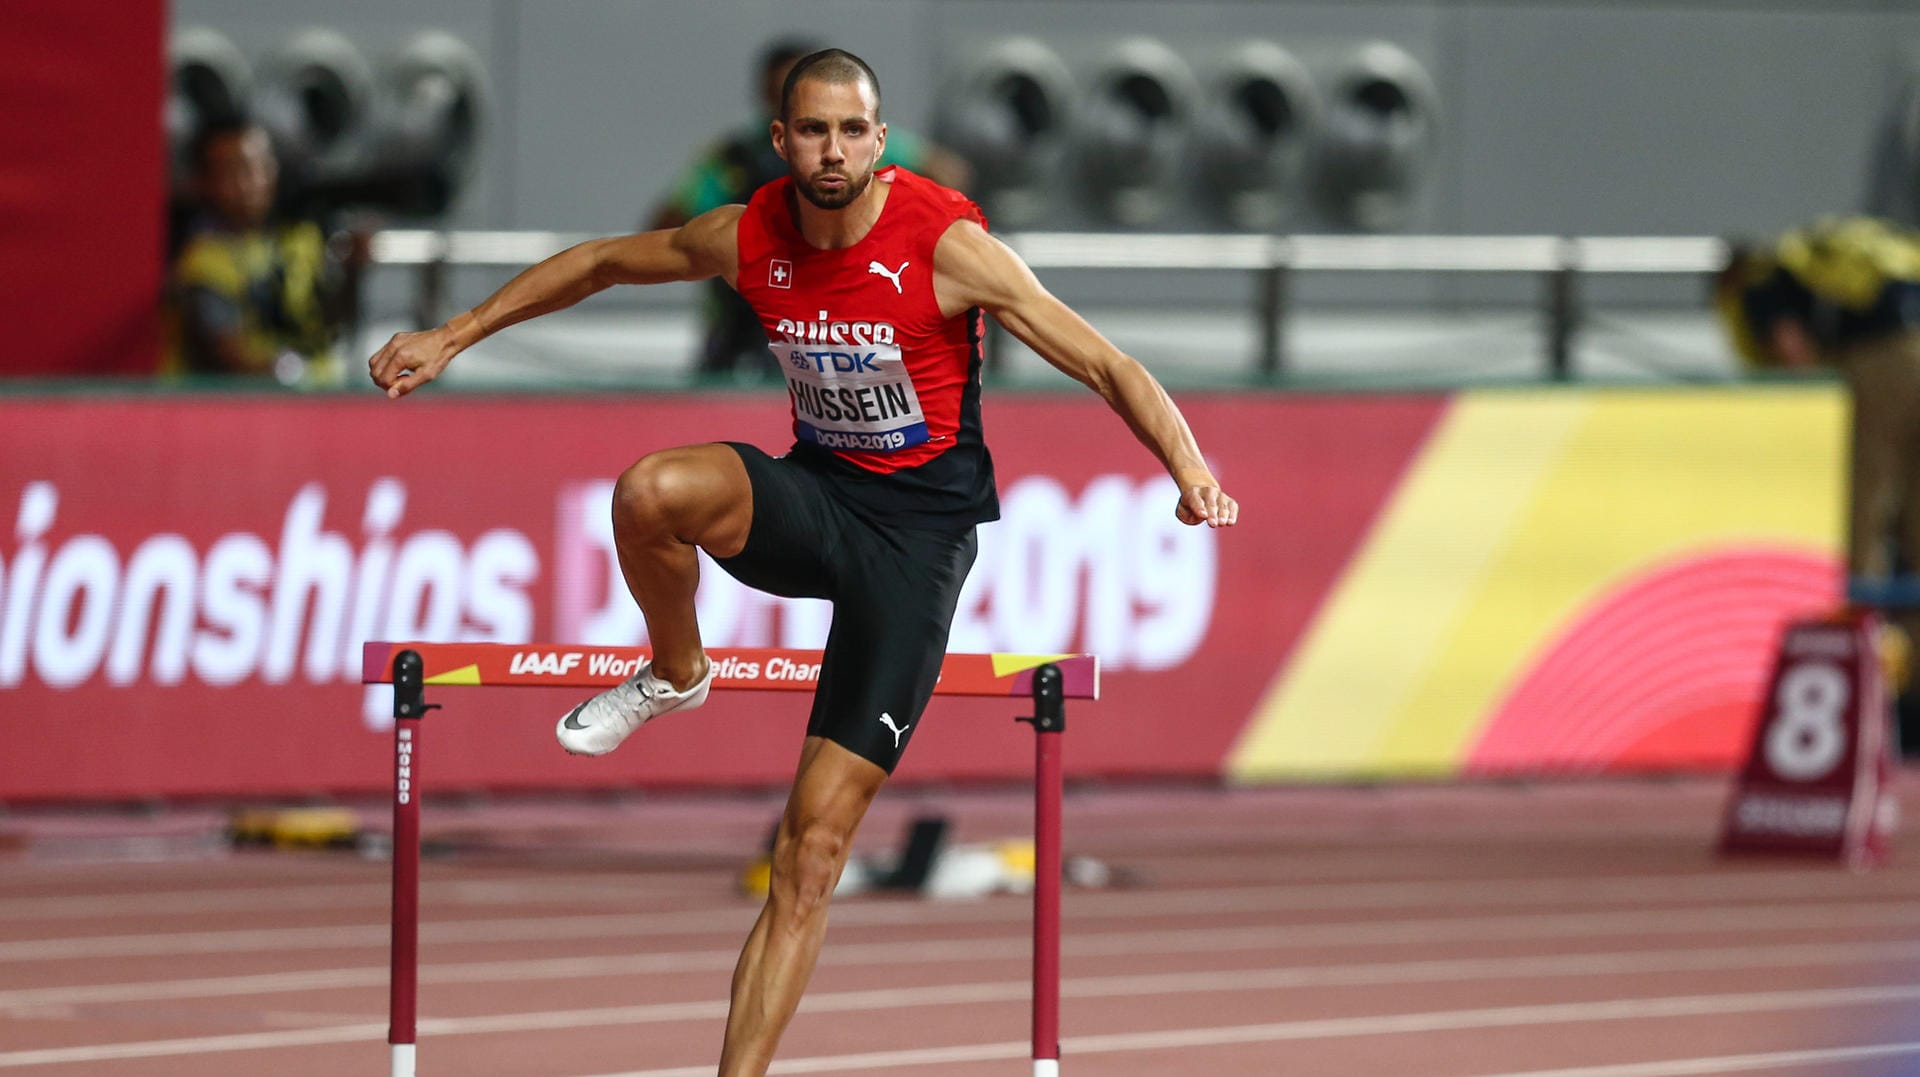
(893, 607)
(793, 530)
(701, 491)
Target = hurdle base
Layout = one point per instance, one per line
(403, 1060)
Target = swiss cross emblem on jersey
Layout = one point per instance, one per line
(780, 274)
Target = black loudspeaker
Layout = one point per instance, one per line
(315, 95)
(1376, 146)
(428, 123)
(1007, 108)
(400, 137)
(1134, 121)
(1259, 117)
(208, 80)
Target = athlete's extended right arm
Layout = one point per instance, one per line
(702, 248)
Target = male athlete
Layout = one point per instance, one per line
(871, 287)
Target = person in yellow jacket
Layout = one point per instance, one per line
(1844, 295)
(250, 295)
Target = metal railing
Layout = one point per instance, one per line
(1559, 261)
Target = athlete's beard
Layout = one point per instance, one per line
(822, 199)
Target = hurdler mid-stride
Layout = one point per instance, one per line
(873, 288)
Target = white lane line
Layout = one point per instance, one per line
(366, 895)
(285, 939)
(1601, 890)
(1005, 991)
(1707, 1067)
(1337, 1028)
(560, 890)
(1629, 961)
(1080, 907)
(1422, 929)
(185, 902)
(368, 1032)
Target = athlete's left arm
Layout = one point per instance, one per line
(973, 269)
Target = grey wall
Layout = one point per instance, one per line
(1597, 117)
(1677, 117)
(1661, 119)
(615, 97)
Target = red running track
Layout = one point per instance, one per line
(1578, 930)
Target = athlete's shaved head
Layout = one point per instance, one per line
(836, 67)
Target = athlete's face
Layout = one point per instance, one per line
(831, 140)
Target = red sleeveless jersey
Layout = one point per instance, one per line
(874, 373)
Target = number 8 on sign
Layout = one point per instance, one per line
(1809, 738)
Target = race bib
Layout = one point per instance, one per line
(852, 397)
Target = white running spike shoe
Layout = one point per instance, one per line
(597, 726)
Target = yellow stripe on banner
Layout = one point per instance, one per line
(1375, 641)
(1005, 665)
(1650, 477)
(463, 675)
(1523, 510)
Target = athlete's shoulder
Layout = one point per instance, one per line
(763, 221)
(944, 202)
(770, 195)
(710, 241)
(719, 220)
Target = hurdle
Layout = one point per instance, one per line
(1049, 680)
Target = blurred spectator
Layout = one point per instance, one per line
(253, 294)
(731, 169)
(1844, 295)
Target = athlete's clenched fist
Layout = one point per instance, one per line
(1206, 503)
(411, 360)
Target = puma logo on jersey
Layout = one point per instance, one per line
(891, 274)
(887, 719)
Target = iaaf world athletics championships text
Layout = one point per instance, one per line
(1105, 569)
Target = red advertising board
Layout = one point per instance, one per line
(186, 584)
(1816, 780)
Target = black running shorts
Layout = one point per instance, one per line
(893, 589)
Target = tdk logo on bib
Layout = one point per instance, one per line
(843, 362)
(849, 385)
